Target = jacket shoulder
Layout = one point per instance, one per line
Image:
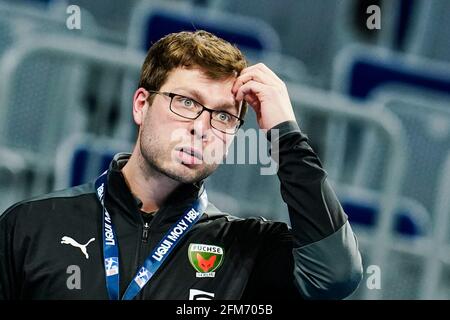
(249, 225)
(49, 199)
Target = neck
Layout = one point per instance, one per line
(151, 187)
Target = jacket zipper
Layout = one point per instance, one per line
(143, 243)
(145, 232)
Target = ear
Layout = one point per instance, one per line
(140, 105)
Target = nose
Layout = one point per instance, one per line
(201, 125)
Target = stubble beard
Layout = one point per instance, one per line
(155, 156)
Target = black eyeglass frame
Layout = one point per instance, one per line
(171, 95)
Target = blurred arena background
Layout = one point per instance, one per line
(374, 102)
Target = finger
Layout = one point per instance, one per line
(263, 68)
(255, 74)
(250, 87)
(252, 100)
(242, 79)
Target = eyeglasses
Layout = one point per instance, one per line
(188, 108)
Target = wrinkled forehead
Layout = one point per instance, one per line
(195, 83)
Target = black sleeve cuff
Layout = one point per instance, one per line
(284, 128)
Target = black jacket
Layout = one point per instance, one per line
(317, 259)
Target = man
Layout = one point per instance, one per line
(145, 229)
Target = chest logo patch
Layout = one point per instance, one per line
(73, 243)
(205, 259)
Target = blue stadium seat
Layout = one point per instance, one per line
(81, 158)
(360, 70)
(162, 23)
(81, 163)
(152, 21)
(363, 71)
(365, 215)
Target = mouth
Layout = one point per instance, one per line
(189, 155)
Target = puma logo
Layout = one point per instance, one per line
(83, 247)
(204, 264)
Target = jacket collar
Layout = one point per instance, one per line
(178, 202)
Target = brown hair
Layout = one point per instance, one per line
(218, 58)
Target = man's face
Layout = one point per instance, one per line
(168, 141)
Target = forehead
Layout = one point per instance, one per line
(194, 79)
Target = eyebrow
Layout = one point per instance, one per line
(197, 95)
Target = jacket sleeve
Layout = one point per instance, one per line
(327, 262)
(8, 285)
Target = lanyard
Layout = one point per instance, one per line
(155, 259)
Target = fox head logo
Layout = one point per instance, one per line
(205, 264)
(205, 259)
